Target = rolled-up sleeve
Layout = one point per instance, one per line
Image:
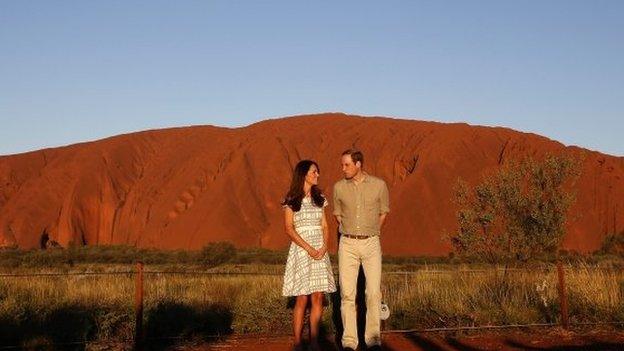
(337, 204)
(384, 199)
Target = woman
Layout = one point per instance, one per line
(308, 271)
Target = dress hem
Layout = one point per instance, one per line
(309, 293)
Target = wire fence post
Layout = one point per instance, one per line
(563, 296)
(138, 307)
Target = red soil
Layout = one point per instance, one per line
(509, 340)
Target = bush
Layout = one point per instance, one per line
(613, 245)
(215, 254)
(261, 255)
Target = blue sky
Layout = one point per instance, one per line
(73, 71)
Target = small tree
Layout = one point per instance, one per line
(516, 213)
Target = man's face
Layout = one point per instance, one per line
(349, 168)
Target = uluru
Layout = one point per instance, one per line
(182, 188)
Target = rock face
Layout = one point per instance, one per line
(185, 187)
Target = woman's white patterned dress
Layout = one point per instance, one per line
(305, 275)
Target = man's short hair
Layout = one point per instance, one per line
(356, 155)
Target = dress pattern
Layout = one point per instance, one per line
(305, 275)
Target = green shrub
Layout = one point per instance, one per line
(613, 245)
(215, 254)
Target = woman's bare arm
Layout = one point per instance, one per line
(294, 236)
(323, 249)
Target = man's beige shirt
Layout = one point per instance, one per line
(359, 205)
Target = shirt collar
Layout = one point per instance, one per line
(365, 180)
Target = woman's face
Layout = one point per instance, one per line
(312, 175)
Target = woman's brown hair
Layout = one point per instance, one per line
(295, 194)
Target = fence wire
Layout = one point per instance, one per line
(408, 273)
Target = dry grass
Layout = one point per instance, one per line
(69, 308)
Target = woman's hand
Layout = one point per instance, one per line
(313, 252)
(321, 253)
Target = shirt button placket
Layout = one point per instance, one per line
(358, 211)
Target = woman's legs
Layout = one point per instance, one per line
(298, 314)
(316, 312)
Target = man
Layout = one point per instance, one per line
(361, 203)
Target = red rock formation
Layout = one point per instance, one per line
(185, 187)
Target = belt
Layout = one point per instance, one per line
(356, 236)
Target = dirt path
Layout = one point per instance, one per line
(510, 340)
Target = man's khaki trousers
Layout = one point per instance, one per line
(352, 253)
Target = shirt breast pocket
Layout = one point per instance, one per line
(371, 201)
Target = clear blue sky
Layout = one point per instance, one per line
(74, 71)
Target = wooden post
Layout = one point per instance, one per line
(563, 296)
(138, 307)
